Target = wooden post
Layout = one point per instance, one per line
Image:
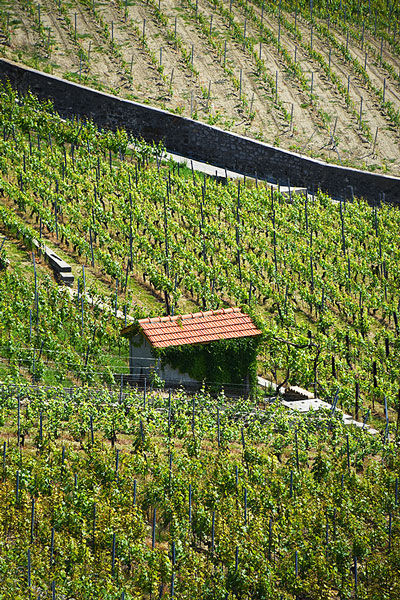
(375, 139)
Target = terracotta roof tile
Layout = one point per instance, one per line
(196, 328)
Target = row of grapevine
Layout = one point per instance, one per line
(272, 70)
(321, 277)
(169, 496)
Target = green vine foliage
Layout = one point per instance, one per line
(224, 362)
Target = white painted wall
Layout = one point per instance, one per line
(142, 362)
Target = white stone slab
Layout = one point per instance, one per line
(304, 406)
(266, 383)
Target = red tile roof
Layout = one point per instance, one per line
(197, 328)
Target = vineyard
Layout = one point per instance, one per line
(320, 278)
(155, 496)
(118, 493)
(320, 78)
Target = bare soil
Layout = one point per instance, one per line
(158, 72)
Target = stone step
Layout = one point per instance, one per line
(294, 393)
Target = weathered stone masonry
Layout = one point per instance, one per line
(200, 141)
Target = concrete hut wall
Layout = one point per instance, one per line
(142, 363)
(201, 141)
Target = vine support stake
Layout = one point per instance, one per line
(19, 422)
(52, 546)
(355, 575)
(4, 460)
(357, 399)
(213, 532)
(16, 486)
(32, 518)
(113, 556)
(29, 569)
(153, 537)
(270, 539)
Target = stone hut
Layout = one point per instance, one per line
(217, 348)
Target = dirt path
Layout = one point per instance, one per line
(327, 103)
(376, 73)
(104, 67)
(144, 70)
(24, 39)
(224, 107)
(64, 49)
(267, 117)
(353, 145)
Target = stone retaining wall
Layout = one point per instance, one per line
(200, 141)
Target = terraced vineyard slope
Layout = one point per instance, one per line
(320, 277)
(323, 82)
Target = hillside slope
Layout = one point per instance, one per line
(326, 84)
(320, 277)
